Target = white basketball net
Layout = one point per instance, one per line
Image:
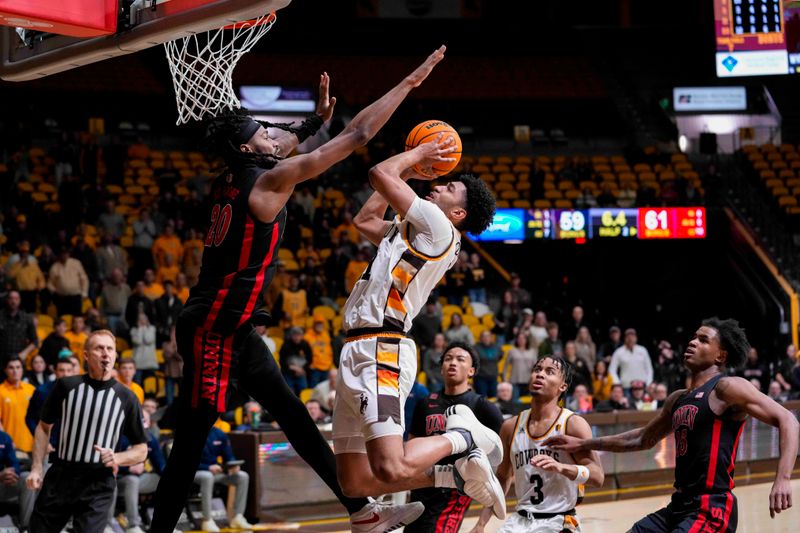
(202, 66)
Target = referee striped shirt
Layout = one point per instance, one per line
(92, 413)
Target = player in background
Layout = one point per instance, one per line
(547, 481)
(707, 420)
(379, 361)
(445, 508)
(215, 331)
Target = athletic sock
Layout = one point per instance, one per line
(460, 439)
(444, 477)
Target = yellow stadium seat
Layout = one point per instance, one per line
(521, 204)
(43, 331)
(422, 379)
(44, 321)
(787, 201)
(122, 345)
(509, 195)
(471, 320)
(325, 311)
(542, 204)
(126, 354)
(503, 203)
(305, 395)
(553, 195)
(160, 356)
(563, 204)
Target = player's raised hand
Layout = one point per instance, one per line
(326, 102)
(422, 71)
(433, 152)
(780, 497)
(565, 442)
(546, 463)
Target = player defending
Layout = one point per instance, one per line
(445, 508)
(215, 332)
(379, 362)
(547, 482)
(707, 420)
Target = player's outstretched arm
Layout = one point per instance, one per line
(576, 427)
(739, 394)
(289, 141)
(505, 471)
(370, 218)
(642, 438)
(386, 177)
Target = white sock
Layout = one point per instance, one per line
(443, 477)
(457, 441)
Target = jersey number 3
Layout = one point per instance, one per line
(536, 485)
(220, 222)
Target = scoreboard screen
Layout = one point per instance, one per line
(516, 225)
(757, 37)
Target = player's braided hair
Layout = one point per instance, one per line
(732, 339)
(480, 206)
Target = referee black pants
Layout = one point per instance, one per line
(84, 493)
(260, 377)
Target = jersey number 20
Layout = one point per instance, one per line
(536, 484)
(220, 222)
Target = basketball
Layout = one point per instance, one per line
(427, 132)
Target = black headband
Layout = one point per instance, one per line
(248, 128)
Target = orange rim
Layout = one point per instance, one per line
(252, 22)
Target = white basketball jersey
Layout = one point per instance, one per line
(539, 491)
(398, 281)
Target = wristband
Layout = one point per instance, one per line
(583, 475)
(308, 128)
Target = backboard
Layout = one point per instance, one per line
(147, 23)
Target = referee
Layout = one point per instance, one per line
(94, 409)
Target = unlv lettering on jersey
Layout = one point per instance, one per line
(684, 416)
(211, 351)
(435, 424)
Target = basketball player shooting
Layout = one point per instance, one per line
(379, 362)
(707, 420)
(547, 482)
(215, 332)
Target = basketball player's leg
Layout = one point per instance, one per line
(261, 378)
(717, 513)
(660, 521)
(516, 523)
(191, 433)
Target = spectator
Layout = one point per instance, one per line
(505, 318)
(28, 278)
(575, 323)
(319, 416)
(631, 362)
(585, 347)
(476, 280)
(18, 336)
(538, 329)
(580, 401)
(152, 288)
(114, 300)
(63, 369)
(519, 364)
(426, 325)
(68, 283)
(144, 234)
(77, 336)
(335, 267)
(217, 447)
(294, 356)
(39, 374)
(150, 405)
(182, 287)
(125, 372)
(321, 351)
(354, 269)
(141, 478)
(776, 392)
(84, 251)
(12, 484)
(110, 256)
(168, 272)
(325, 391)
(458, 331)
(784, 368)
(616, 402)
(23, 251)
(143, 341)
(581, 372)
(455, 287)
(432, 361)
(614, 341)
(347, 231)
(173, 367)
(15, 395)
(192, 256)
(54, 343)
(489, 352)
(168, 307)
(418, 393)
(110, 223)
(551, 345)
(660, 395)
(754, 369)
(77, 368)
(261, 331)
(293, 304)
(601, 381)
(796, 379)
(139, 303)
(167, 244)
(639, 399)
(505, 400)
(521, 297)
(670, 369)
(253, 418)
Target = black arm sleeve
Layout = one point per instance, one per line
(489, 415)
(51, 413)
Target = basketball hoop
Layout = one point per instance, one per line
(202, 66)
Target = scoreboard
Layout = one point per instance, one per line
(516, 225)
